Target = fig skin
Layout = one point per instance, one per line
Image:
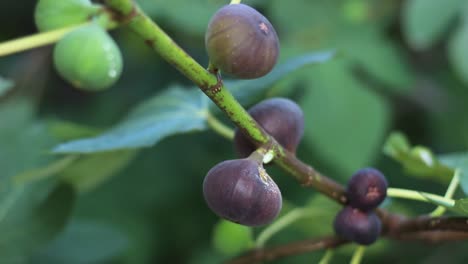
(282, 118)
(55, 14)
(367, 189)
(88, 58)
(355, 225)
(241, 191)
(241, 42)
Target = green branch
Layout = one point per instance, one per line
(213, 87)
(419, 196)
(34, 41)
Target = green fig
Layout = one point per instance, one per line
(88, 58)
(53, 14)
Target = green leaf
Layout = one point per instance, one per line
(44, 172)
(458, 161)
(231, 239)
(30, 216)
(176, 110)
(5, 85)
(461, 206)
(345, 122)
(425, 21)
(416, 160)
(248, 91)
(65, 130)
(83, 242)
(94, 169)
(190, 17)
(24, 141)
(457, 51)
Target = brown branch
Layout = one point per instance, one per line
(434, 236)
(277, 252)
(427, 223)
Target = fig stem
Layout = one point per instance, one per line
(327, 257)
(219, 127)
(279, 225)
(440, 210)
(45, 38)
(420, 196)
(358, 255)
(36, 40)
(235, 2)
(258, 155)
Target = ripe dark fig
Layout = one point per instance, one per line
(281, 118)
(358, 226)
(366, 189)
(241, 191)
(242, 42)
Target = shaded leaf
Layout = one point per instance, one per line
(231, 239)
(65, 130)
(416, 160)
(458, 161)
(247, 91)
(461, 206)
(343, 118)
(190, 17)
(457, 51)
(35, 217)
(83, 242)
(94, 169)
(424, 21)
(44, 172)
(174, 111)
(5, 85)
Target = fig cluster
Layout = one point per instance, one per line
(357, 221)
(242, 42)
(241, 190)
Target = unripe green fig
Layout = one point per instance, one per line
(88, 58)
(242, 42)
(53, 14)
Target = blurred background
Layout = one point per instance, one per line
(400, 65)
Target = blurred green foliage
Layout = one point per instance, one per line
(399, 65)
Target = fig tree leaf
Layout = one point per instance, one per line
(247, 91)
(458, 161)
(24, 141)
(173, 111)
(83, 242)
(92, 170)
(416, 160)
(457, 51)
(425, 21)
(343, 118)
(5, 85)
(231, 239)
(460, 207)
(191, 17)
(31, 215)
